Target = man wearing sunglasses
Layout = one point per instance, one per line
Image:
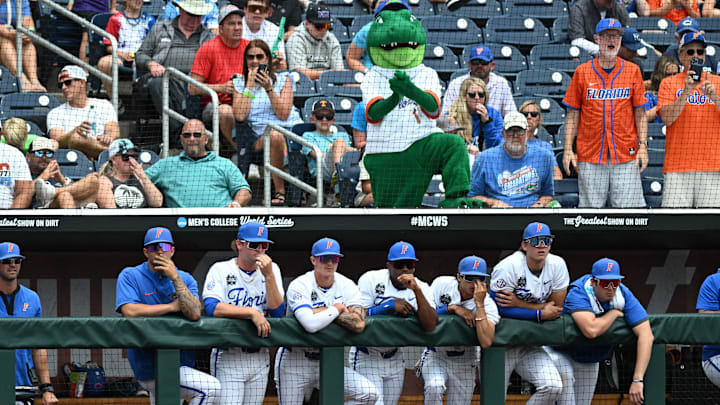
(256, 25)
(156, 288)
(19, 301)
(689, 24)
(531, 284)
(52, 188)
(248, 286)
(316, 299)
(595, 301)
(392, 291)
(86, 124)
(688, 104)
(198, 178)
(481, 64)
(606, 112)
(450, 370)
(513, 174)
(313, 48)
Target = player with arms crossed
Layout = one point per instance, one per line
(236, 289)
(156, 288)
(595, 301)
(708, 302)
(451, 370)
(392, 291)
(317, 299)
(531, 284)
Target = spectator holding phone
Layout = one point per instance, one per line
(688, 104)
(123, 182)
(264, 97)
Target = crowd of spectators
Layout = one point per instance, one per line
(239, 51)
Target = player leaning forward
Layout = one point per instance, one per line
(392, 291)
(248, 286)
(318, 298)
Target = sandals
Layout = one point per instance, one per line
(278, 199)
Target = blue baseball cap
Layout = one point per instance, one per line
(688, 24)
(253, 232)
(536, 229)
(473, 266)
(631, 39)
(9, 250)
(326, 247)
(392, 5)
(609, 24)
(401, 251)
(692, 37)
(158, 234)
(606, 269)
(482, 53)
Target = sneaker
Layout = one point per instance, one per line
(44, 192)
(142, 392)
(91, 206)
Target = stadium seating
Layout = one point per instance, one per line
(337, 83)
(566, 192)
(711, 26)
(652, 190)
(348, 173)
(96, 50)
(452, 31)
(559, 29)
(560, 57)
(155, 8)
(656, 130)
(655, 30)
(540, 9)
(542, 82)
(344, 107)
(655, 166)
(73, 163)
(346, 10)
(339, 30)
(65, 34)
(523, 32)
(297, 165)
(28, 106)
(8, 82)
(357, 23)
(647, 61)
(478, 11)
(304, 88)
(509, 61)
(442, 59)
(421, 8)
(553, 114)
(435, 193)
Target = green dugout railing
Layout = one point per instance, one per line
(169, 334)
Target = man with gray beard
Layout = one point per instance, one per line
(513, 174)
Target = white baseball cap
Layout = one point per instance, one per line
(72, 72)
(514, 119)
(42, 143)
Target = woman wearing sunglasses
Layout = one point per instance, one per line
(531, 284)
(595, 301)
(264, 97)
(531, 110)
(123, 182)
(482, 123)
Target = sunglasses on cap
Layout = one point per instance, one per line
(407, 264)
(127, 157)
(187, 135)
(65, 83)
(693, 52)
(483, 62)
(533, 114)
(546, 241)
(322, 26)
(257, 245)
(256, 8)
(329, 258)
(159, 247)
(46, 153)
(478, 94)
(608, 284)
(471, 278)
(13, 260)
(327, 116)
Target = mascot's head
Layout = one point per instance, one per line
(396, 39)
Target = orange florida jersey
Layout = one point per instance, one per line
(606, 102)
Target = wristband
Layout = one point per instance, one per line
(479, 319)
(47, 387)
(31, 28)
(640, 381)
(248, 95)
(269, 91)
(538, 315)
(236, 204)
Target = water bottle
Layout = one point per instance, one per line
(93, 122)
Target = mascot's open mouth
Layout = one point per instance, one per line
(395, 45)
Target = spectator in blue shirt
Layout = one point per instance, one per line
(513, 174)
(595, 301)
(359, 125)
(19, 301)
(708, 302)
(483, 124)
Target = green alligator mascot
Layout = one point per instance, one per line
(402, 101)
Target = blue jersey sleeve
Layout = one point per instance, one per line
(477, 179)
(576, 300)
(125, 290)
(708, 295)
(359, 121)
(210, 304)
(634, 311)
(548, 185)
(492, 130)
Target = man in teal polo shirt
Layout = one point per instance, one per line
(198, 178)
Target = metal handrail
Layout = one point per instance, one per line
(19, 30)
(167, 112)
(270, 169)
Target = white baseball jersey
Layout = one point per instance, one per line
(304, 292)
(445, 292)
(407, 122)
(513, 274)
(230, 285)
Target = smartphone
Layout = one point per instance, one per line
(263, 67)
(696, 65)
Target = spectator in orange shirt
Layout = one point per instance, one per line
(605, 101)
(673, 10)
(689, 109)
